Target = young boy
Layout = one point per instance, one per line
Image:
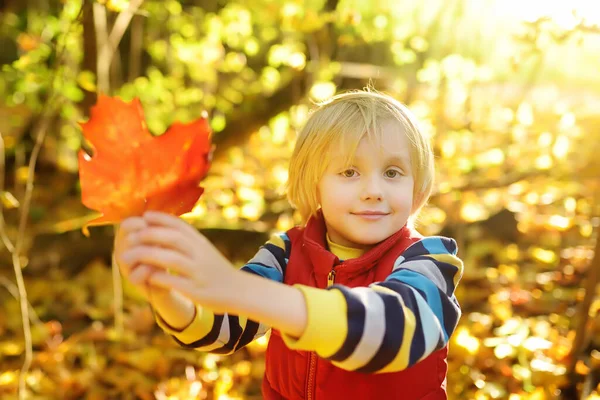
(361, 306)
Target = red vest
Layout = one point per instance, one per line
(299, 375)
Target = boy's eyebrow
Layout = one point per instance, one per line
(398, 160)
(391, 160)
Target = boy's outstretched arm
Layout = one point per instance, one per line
(388, 326)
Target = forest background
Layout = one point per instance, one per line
(508, 92)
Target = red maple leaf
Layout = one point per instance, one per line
(132, 171)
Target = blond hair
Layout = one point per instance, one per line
(342, 122)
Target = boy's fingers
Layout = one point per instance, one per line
(129, 225)
(132, 224)
(165, 259)
(167, 220)
(140, 274)
(167, 281)
(165, 237)
(124, 268)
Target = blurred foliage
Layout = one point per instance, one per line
(508, 92)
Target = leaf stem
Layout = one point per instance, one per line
(118, 295)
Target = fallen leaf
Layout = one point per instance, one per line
(132, 171)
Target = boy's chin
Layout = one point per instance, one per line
(369, 242)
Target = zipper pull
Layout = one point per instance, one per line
(331, 278)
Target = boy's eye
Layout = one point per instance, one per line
(349, 173)
(392, 173)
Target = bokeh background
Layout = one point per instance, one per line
(507, 90)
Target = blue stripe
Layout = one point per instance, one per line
(417, 346)
(266, 272)
(452, 313)
(434, 245)
(279, 255)
(355, 315)
(392, 342)
(449, 271)
(432, 293)
(415, 249)
(248, 335)
(235, 332)
(451, 245)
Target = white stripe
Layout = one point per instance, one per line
(397, 263)
(262, 330)
(432, 330)
(430, 270)
(264, 256)
(372, 337)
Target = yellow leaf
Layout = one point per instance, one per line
(8, 377)
(87, 81)
(8, 200)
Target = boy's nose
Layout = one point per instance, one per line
(372, 190)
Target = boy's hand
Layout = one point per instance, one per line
(137, 274)
(170, 244)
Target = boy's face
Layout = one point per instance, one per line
(368, 202)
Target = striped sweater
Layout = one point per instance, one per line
(385, 327)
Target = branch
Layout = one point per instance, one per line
(101, 43)
(136, 49)
(16, 253)
(5, 239)
(367, 71)
(14, 291)
(107, 43)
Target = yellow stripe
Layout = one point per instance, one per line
(450, 259)
(327, 323)
(243, 321)
(199, 328)
(277, 241)
(386, 290)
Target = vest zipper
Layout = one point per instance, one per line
(311, 375)
(331, 277)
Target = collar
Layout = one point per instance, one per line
(323, 261)
(343, 252)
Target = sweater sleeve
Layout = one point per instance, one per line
(224, 333)
(390, 325)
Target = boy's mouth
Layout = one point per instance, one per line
(370, 214)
